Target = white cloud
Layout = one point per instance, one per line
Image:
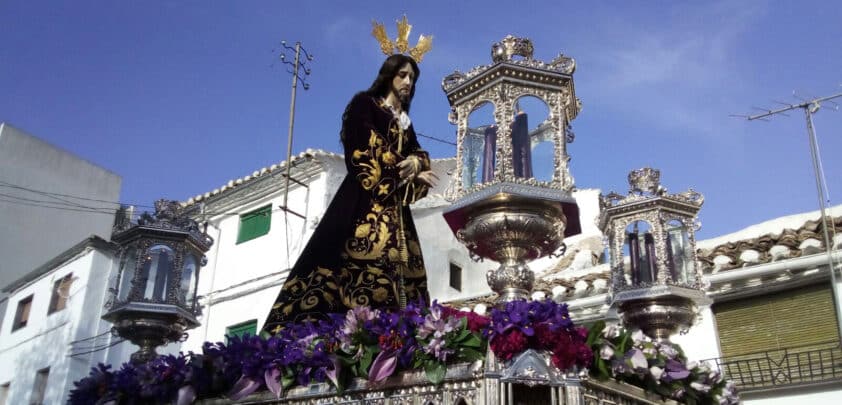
(678, 74)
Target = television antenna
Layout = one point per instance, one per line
(810, 107)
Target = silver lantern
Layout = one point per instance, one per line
(154, 299)
(511, 191)
(656, 284)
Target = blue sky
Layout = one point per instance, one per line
(180, 97)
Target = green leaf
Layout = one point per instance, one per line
(435, 371)
(417, 359)
(345, 377)
(468, 354)
(603, 369)
(367, 359)
(595, 332)
(624, 342)
(287, 379)
(472, 341)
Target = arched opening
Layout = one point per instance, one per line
(680, 253)
(533, 149)
(639, 247)
(157, 266)
(128, 264)
(187, 287)
(479, 146)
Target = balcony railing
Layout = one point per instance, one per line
(798, 366)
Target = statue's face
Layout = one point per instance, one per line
(402, 82)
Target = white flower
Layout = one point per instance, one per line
(656, 372)
(638, 360)
(606, 352)
(700, 387)
(404, 120)
(668, 351)
(638, 336)
(611, 331)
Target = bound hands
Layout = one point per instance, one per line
(410, 170)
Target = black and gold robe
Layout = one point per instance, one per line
(355, 256)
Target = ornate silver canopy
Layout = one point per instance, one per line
(154, 299)
(514, 74)
(504, 209)
(655, 281)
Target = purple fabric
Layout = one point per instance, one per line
(521, 146)
(488, 153)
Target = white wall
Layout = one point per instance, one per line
(243, 280)
(440, 248)
(701, 342)
(46, 339)
(829, 396)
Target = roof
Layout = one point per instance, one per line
(267, 171)
(262, 172)
(778, 239)
(92, 241)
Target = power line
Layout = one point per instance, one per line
(436, 139)
(45, 202)
(10, 185)
(94, 210)
(97, 349)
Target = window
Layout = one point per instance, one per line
(4, 393)
(128, 264)
(801, 317)
(241, 329)
(22, 313)
(187, 288)
(40, 386)
(254, 224)
(456, 276)
(157, 266)
(61, 291)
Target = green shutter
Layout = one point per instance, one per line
(255, 224)
(783, 320)
(240, 329)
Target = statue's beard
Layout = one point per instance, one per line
(403, 96)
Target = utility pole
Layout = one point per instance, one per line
(810, 107)
(295, 68)
(299, 65)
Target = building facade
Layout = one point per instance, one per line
(40, 190)
(771, 327)
(53, 334)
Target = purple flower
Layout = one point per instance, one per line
(436, 328)
(93, 387)
(675, 370)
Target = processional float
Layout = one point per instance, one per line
(512, 207)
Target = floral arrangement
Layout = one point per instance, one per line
(658, 367)
(374, 344)
(366, 343)
(539, 325)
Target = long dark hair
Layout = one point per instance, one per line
(383, 83)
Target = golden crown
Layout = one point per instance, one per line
(401, 43)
